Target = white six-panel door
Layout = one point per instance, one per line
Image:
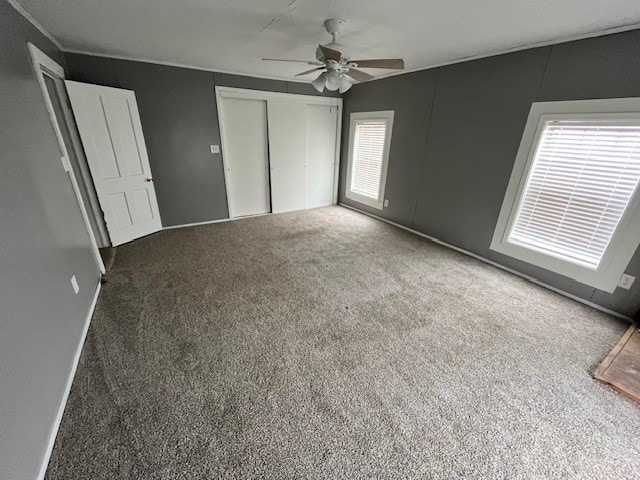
(111, 133)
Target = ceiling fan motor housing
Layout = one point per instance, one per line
(335, 27)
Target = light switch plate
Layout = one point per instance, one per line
(626, 281)
(214, 148)
(74, 284)
(386, 202)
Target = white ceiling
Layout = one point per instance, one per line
(233, 35)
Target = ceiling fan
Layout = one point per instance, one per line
(334, 59)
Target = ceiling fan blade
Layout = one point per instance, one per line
(381, 63)
(295, 61)
(359, 75)
(330, 53)
(309, 71)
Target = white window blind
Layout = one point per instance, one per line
(368, 158)
(581, 181)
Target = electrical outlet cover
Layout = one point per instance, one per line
(626, 281)
(214, 148)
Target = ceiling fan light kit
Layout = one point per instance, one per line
(334, 59)
(319, 82)
(345, 84)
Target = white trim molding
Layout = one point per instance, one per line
(519, 48)
(527, 46)
(22, 11)
(626, 237)
(40, 62)
(494, 264)
(571, 38)
(197, 224)
(131, 58)
(245, 93)
(223, 220)
(356, 119)
(67, 389)
(38, 57)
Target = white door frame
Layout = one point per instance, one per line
(41, 60)
(232, 92)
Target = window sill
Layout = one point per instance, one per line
(370, 202)
(604, 278)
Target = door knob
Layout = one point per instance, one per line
(149, 179)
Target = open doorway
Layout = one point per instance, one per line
(51, 76)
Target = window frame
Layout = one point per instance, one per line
(626, 237)
(354, 119)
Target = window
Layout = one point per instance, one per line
(369, 140)
(571, 204)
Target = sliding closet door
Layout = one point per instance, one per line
(288, 154)
(322, 122)
(244, 130)
(279, 150)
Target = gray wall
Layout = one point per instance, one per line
(44, 242)
(179, 119)
(456, 134)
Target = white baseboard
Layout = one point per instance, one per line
(67, 388)
(208, 222)
(492, 263)
(171, 227)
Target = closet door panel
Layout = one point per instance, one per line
(322, 123)
(244, 125)
(288, 154)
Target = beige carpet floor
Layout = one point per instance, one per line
(327, 344)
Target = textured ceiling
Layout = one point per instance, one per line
(233, 35)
